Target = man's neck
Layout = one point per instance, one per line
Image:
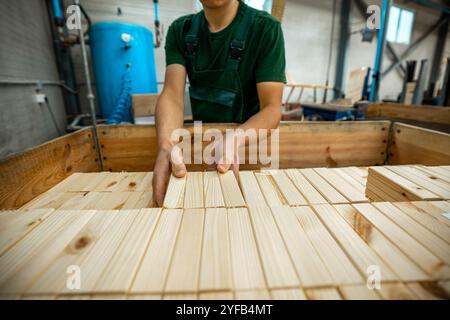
(219, 18)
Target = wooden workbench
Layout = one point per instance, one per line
(285, 234)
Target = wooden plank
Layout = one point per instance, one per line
(305, 187)
(432, 114)
(435, 185)
(427, 291)
(30, 256)
(180, 296)
(215, 270)
(146, 183)
(412, 145)
(231, 191)
(358, 293)
(152, 273)
(396, 291)
(111, 182)
(268, 187)
(291, 194)
(252, 295)
(288, 294)
(425, 219)
(359, 251)
(79, 203)
(108, 200)
(219, 295)
(431, 264)
(433, 209)
(330, 193)
(247, 271)
(343, 270)
(193, 197)
(356, 183)
(400, 188)
(343, 186)
(53, 279)
(174, 198)
(213, 190)
(312, 271)
(403, 266)
(119, 273)
(440, 172)
(428, 239)
(131, 182)
(52, 200)
(25, 175)
(14, 225)
(250, 188)
(323, 294)
(144, 297)
(357, 173)
(185, 265)
(138, 200)
(276, 262)
(134, 148)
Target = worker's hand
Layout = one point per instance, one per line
(168, 161)
(229, 157)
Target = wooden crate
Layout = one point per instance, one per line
(226, 239)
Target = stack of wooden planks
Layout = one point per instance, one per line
(279, 234)
(408, 183)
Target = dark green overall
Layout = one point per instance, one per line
(216, 95)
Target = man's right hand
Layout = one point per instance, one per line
(168, 161)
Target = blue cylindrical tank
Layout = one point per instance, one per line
(124, 63)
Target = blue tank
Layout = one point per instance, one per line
(123, 57)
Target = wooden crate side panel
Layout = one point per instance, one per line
(414, 145)
(28, 174)
(311, 144)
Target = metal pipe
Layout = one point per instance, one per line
(11, 82)
(380, 50)
(90, 96)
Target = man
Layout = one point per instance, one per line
(234, 58)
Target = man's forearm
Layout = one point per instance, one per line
(169, 116)
(268, 118)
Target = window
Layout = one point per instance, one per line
(400, 25)
(265, 5)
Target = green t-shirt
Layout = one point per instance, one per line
(263, 59)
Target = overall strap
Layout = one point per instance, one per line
(237, 45)
(191, 39)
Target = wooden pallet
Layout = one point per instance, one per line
(225, 239)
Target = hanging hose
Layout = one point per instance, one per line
(123, 100)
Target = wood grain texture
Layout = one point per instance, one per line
(346, 188)
(174, 198)
(312, 271)
(431, 264)
(343, 271)
(290, 193)
(271, 193)
(215, 270)
(231, 191)
(28, 174)
(359, 251)
(327, 191)
(413, 145)
(323, 294)
(152, 273)
(14, 225)
(213, 190)
(278, 267)
(21, 264)
(185, 265)
(250, 188)
(193, 196)
(358, 293)
(247, 270)
(306, 188)
(288, 294)
(399, 262)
